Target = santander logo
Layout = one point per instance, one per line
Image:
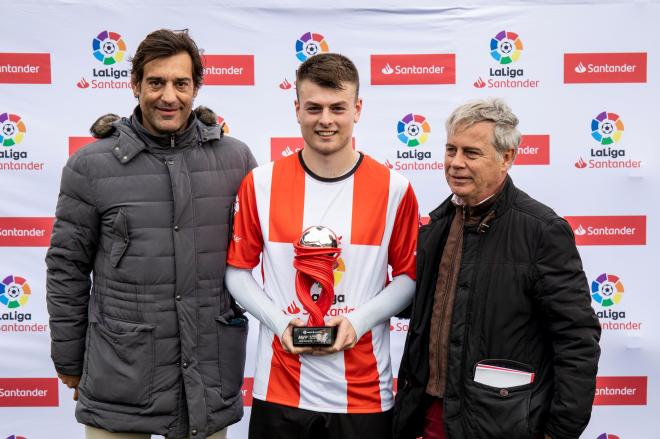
(605, 68)
(479, 83)
(293, 308)
(609, 230)
(82, 83)
(580, 68)
(285, 85)
(410, 69)
(581, 164)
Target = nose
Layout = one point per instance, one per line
(169, 93)
(326, 117)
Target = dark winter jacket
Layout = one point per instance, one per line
(155, 337)
(521, 301)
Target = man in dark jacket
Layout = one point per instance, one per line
(154, 344)
(503, 342)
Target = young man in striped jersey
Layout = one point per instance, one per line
(344, 390)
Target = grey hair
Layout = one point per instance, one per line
(505, 134)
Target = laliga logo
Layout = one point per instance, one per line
(14, 291)
(608, 436)
(607, 290)
(13, 436)
(310, 44)
(13, 129)
(607, 128)
(108, 47)
(580, 68)
(413, 129)
(506, 47)
(387, 70)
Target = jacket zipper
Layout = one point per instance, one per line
(172, 142)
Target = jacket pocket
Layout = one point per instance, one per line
(497, 413)
(232, 337)
(121, 240)
(120, 362)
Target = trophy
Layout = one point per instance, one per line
(315, 259)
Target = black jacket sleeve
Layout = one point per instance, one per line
(70, 260)
(563, 294)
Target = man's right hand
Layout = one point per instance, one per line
(287, 339)
(71, 381)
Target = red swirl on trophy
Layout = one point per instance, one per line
(315, 259)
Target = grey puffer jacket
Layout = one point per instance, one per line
(156, 338)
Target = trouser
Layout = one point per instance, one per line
(275, 421)
(97, 433)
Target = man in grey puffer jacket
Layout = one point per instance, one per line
(154, 344)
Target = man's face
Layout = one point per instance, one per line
(166, 93)
(326, 116)
(473, 168)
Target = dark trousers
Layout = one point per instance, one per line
(275, 421)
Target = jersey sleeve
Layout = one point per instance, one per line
(403, 243)
(246, 241)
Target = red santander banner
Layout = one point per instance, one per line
(410, 69)
(25, 232)
(609, 230)
(534, 149)
(25, 68)
(604, 67)
(29, 392)
(621, 390)
(228, 69)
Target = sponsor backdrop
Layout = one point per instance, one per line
(582, 77)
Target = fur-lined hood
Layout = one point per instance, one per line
(105, 125)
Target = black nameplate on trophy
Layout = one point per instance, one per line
(314, 336)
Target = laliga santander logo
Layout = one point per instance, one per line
(506, 47)
(13, 129)
(608, 436)
(13, 436)
(14, 291)
(108, 47)
(607, 128)
(607, 290)
(310, 44)
(413, 129)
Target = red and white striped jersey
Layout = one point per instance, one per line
(375, 213)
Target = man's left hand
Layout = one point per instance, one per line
(346, 337)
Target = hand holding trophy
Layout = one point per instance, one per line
(315, 258)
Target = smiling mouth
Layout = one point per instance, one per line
(326, 133)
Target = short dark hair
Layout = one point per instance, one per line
(329, 70)
(163, 43)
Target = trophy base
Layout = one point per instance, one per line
(310, 336)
